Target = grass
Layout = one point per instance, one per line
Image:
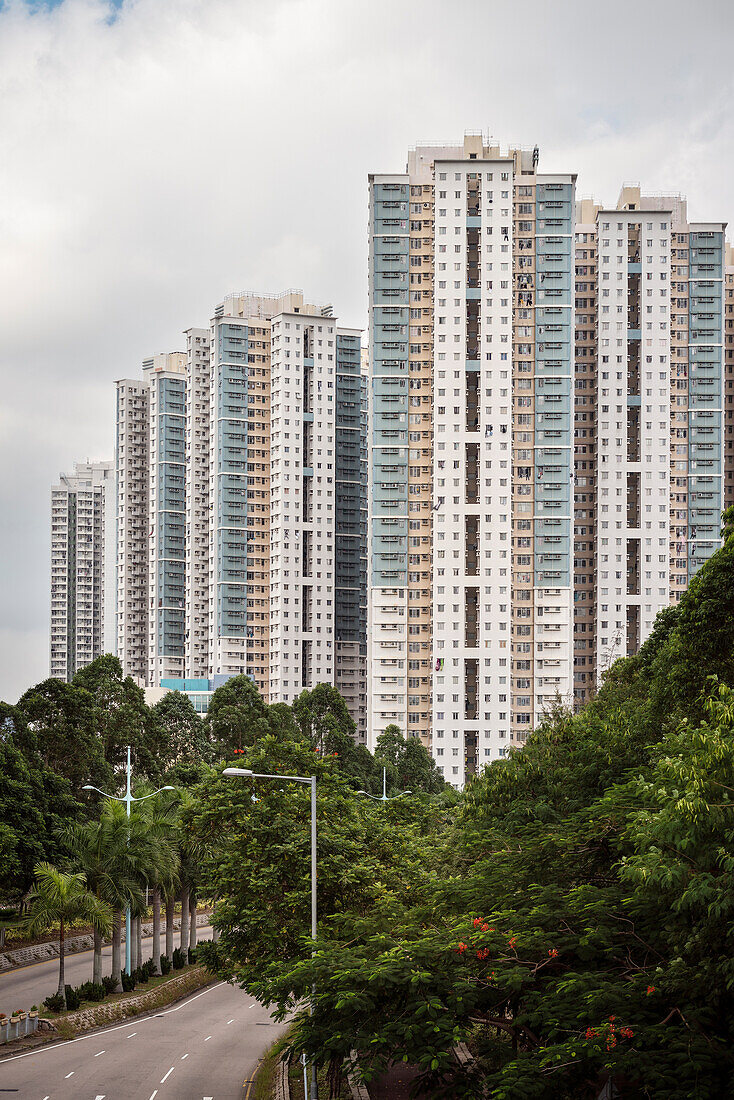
(264, 1086)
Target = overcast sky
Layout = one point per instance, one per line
(156, 154)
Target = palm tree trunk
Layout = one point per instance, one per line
(116, 948)
(97, 957)
(134, 960)
(139, 940)
(156, 929)
(184, 938)
(62, 983)
(170, 910)
(192, 920)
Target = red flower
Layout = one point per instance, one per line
(553, 952)
(591, 1033)
(627, 1032)
(477, 921)
(461, 948)
(485, 928)
(512, 941)
(650, 989)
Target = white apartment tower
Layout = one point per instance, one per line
(82, 567)
(471, 467)
(252, 513)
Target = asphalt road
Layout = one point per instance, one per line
(30, 984)
(205, 1048)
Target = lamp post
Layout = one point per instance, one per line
(384, 796)
(128, 799)
(311, 781)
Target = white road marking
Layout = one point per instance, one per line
(97, 1055)
(229, 1022)
(165, 1078)
(131, 1034)
(100, 1097)
(184, 1056)
(69, 1075)
(253, 1005)
(153, 1094)
(117, 1027)
(207, 1038)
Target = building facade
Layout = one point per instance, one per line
(650, 449)
(82, 568)
(548, 453)
(241, 505)
(471, 463)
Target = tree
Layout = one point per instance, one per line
(107, 852)
(322, 713)
(236, 717)
(55, 721)
(34, 804)
(256, 854)
(184, 741)
(120, 717)
(409, 765)
(61, 897)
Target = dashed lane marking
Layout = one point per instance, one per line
(167, 1075)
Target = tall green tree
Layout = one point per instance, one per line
(236, 718)
(35, 802)
(108, 852)
(61, 898)
(184, 741)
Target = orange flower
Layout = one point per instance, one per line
(650, 989)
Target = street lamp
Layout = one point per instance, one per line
(384, 796)
(246, 773)
(128, 799)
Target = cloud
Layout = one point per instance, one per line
(156, 154)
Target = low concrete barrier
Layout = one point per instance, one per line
(16, 1028)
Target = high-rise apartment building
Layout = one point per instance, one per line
(545, 376)
(471, 464)
(82, 567)
(241, 504)
(650, 430)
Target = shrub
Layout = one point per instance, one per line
(54, 1003)
(129, 981)
(192, 955)
(165, 964)
(179, 959)
(109, 984)
(148, 970)
(72, 998)
(88, 991)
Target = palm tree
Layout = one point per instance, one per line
(56, 896)
(161, 825)
(104, 852)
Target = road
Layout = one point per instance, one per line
(30, 984)
(201, 1049)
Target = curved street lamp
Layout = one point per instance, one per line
(128, 799)
(384, 796)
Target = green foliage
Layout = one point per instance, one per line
(570, 916)
(54, 1003)
(183, 738)
(236, 718)
(179, 958)
(165, 964)
(34, 804)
